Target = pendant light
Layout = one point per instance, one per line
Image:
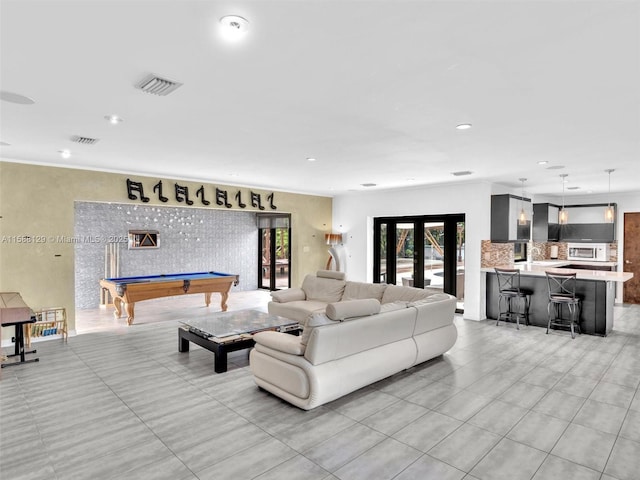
(609, 212)
(563, 216)
(522, 218)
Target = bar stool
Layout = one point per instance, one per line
(510, 292)
(562, 291)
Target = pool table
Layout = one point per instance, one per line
(129, 290)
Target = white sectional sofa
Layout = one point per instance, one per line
(349, 342)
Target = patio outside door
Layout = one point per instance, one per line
(274, 258)
(424, 252)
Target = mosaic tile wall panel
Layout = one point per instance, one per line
(501, 254)
(190, 239)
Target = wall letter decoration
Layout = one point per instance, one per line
(182, 194)
(133, 188)
(239, 200)
(158, 188)
(270, 199)
(200, 193)
(256, 200)
(221, 198)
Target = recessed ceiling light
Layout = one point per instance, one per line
(15, 98)
(463, 126)
(368, 184)
(461, 173)
(64, 153)
(113, 119)
(311, 159)
(542, 162)
(234, 27)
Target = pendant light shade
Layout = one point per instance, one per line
(563, 216)
(522, 218)
(609, 212)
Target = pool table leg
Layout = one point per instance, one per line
(129, 308)
(207, 298)
(223, 300)
(117, 304)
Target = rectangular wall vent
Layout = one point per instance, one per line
(84, 140)
(157, 85)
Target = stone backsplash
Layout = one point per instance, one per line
(500, 254)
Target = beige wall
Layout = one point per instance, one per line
(38, 202)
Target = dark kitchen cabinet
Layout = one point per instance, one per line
(545, 222)
(586, 224)
(505, 210)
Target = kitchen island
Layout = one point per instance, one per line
(596, 288)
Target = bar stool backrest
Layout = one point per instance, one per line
(508, 280)
(561, 285)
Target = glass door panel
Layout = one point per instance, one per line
(265, 258)
(381, 249)
(282, 258)
(460, 241)
(434, 247)
(405, 245)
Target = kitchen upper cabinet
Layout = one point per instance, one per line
(545, 222)
(587, 224)
(505, 210)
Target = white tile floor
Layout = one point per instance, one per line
(120, 402)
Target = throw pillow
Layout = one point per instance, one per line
(353, 309)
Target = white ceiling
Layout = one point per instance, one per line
(372, 89)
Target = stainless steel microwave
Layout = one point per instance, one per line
(595, 252)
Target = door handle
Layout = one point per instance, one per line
(628, 262)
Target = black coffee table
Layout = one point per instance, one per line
(226, 332)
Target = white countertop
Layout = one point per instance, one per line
(538, 269)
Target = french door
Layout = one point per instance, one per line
(421, 251)
(274, 254)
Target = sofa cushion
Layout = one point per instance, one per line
(298, 311)
(283, 342)
(331, 342)
(315, 320)
(434, 312)
(435, 297)
(330, 274)
(323, 289)
(358, 290)
(288, 295)
(394, 293)
(353, 309)
(393, 306)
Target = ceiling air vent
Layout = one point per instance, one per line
(461, 173)
(157, 85)
(84, 140)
